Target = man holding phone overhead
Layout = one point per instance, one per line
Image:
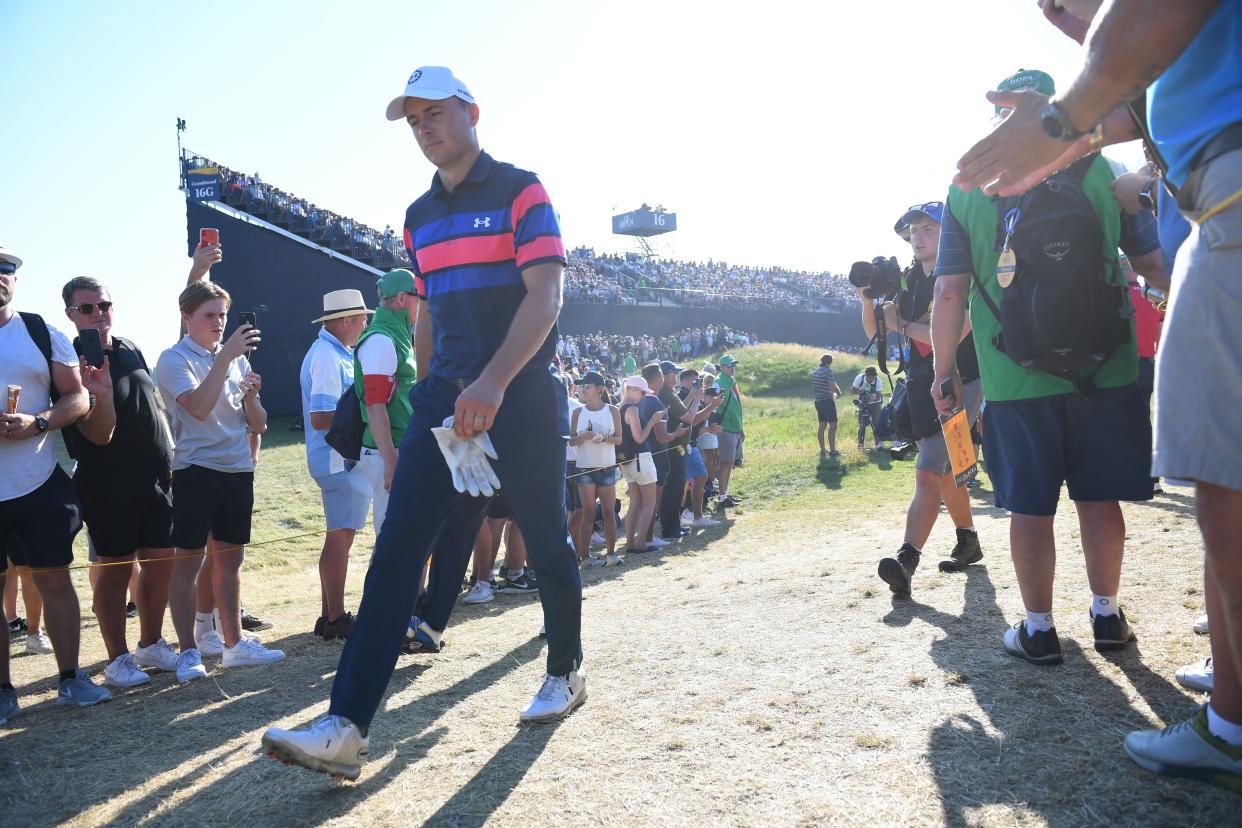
(124, 483)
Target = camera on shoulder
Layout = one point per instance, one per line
(881, 276)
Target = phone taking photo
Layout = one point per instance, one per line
(248, 318)
(208, 235)
(92, 347)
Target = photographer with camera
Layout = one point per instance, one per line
(910, 315)
(869, 390)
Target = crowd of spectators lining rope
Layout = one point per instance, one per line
(383, 249)
(614, 279)
(607, 353)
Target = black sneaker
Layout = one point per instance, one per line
(1043, 648)
(338, 629)
(728, 502)
(319, 622)
(520, 583)
(1112, 632)
(898, 572)
(131, 610)
(17, 628)
(965, 553)
(252, 624)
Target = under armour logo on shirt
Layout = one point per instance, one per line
(482, 221)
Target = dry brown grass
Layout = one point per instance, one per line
(770, 702)
(764, 678)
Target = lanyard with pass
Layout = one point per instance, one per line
(1007, 265)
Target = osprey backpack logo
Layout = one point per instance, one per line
(1057, 250)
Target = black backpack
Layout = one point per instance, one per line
(1060, 315)
(345, 433)
(894, 419)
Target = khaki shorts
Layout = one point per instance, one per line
(641, 471)
(1198, 434)
(729, 443)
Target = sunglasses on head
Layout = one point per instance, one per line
(929, 207)
(8, 268)
(87, 308)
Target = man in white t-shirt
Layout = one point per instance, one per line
(39, 513)
(869, 389)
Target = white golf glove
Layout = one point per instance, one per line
(467, 460)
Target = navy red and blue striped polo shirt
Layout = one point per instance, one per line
(468, 249)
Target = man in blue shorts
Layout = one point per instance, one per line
(486, 252)
(1040, 430)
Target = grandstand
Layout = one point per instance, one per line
(282, 253)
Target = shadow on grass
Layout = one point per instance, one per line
(306, 797)
(1049, 741)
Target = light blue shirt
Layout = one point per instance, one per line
(1201, 93)
(327, 370)
(218, 442)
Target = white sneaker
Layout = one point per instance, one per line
(190, 666)
(38, 644)
(1187, 749)
(657, 543)
(614, 559)
(158, 656)
(333, 745)
(210, 644)
(558, 696)
(480, 593)
(704, 522)
(122, 672)
(247, 653)
(597, 539)
(1201, 624)
(1197, 676)
(596, 561)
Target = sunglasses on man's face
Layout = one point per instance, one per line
(8, 268)
(87, 308)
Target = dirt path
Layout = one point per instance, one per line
(764, 679)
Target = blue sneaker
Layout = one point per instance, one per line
(8, 705)
(81, 691)
(419, 638)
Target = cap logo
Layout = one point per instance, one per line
(418, 73)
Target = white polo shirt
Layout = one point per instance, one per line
(218, 442)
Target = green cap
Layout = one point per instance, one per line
(727, 359)
(394, 282)
(1041, 82)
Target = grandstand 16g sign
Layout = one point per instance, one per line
(203, 184)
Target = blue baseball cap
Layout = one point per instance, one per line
(934, 210)
(667, 367)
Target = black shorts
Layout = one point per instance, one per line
(124, 513)
(661, 461)
(827, 410)
(206, 500)
(37, 529)
(1099, 447)
(573, 500)
(498, 508)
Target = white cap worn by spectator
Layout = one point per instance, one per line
(7, 255)
(638, 382)
(431, 83)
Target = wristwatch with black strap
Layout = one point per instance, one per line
(41, 424)
(1057, 125)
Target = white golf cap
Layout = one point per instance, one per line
(432, 83)
(340, 303)
(7, 255)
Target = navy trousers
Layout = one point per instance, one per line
(425, 512)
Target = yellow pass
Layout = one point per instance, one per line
(961, 450)
(1006, 267)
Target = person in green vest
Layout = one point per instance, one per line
(384, 372)
(631, 365)
(1041, 431)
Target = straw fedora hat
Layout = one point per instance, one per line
(340, 303)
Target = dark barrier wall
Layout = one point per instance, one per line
(283, 282)
(802, 327)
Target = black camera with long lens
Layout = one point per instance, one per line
(881, 276)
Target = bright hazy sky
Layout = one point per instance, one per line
(788, 133)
